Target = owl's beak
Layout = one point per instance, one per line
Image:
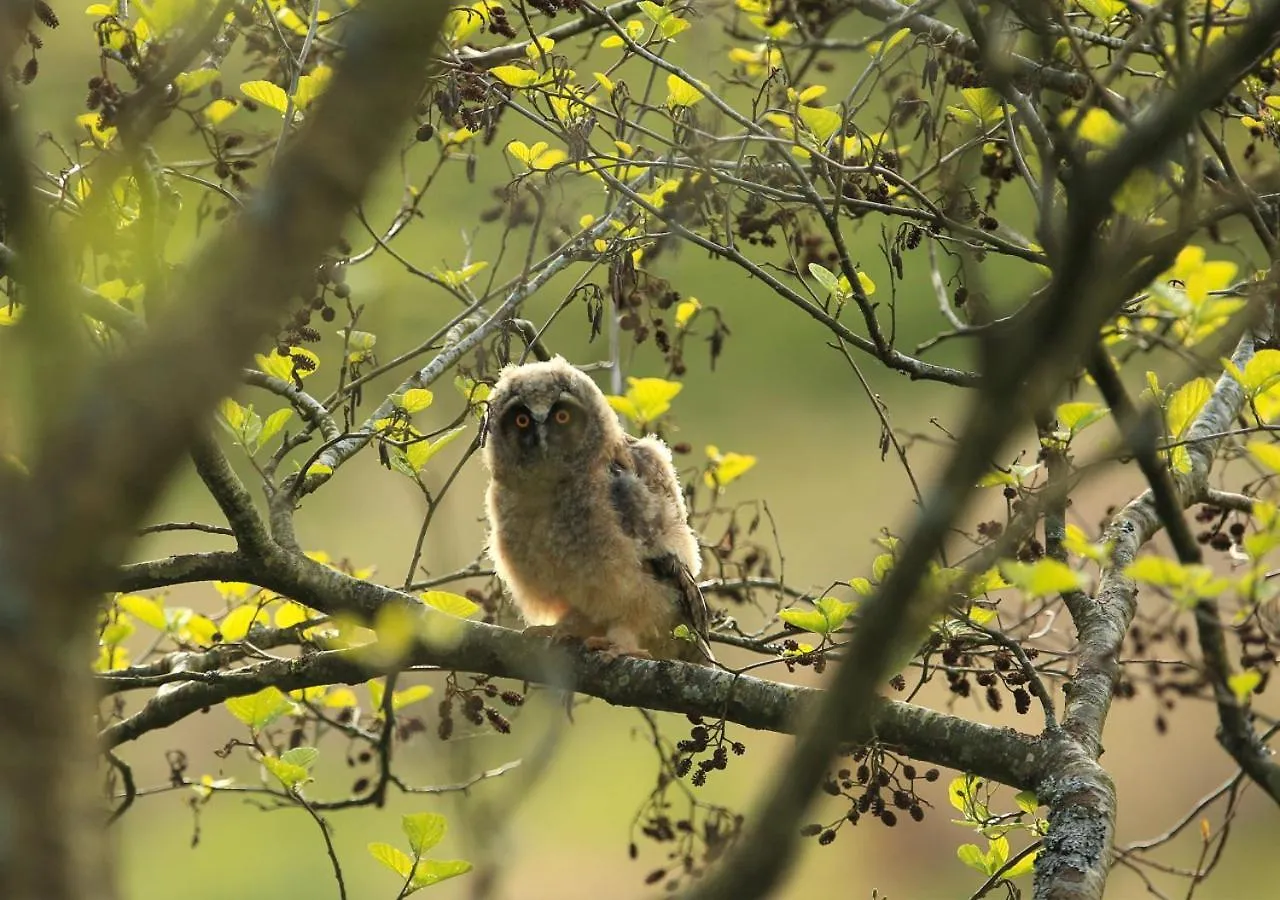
(540, 427)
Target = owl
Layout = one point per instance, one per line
(587, 525)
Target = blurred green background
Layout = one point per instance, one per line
(778, 393)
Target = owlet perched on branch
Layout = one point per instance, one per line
(587, 525)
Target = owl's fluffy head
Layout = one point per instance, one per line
(545, 416)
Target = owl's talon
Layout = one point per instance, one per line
(612, 649)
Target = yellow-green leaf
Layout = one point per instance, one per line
(515, 76)
(290, 614)
(433, 871)
(810, 620)
(726, 468)
(312, 86)
(1186, 403)
(450, 603)
(273, 424)
(189, 83)
(973, 857)
(1097, 126)
(686, 310)
(261, 709)
(401, 699)
(416, 400)
(1242, 684)
(1022, 867)
(214, 113)
(287, 774)
(393, 858)
(1260, 373)
(266, 93)
(822, 121)
(646, 399)
(235, 625)
(424, 831)
(1041, 578)
(145, 609)
(1266, 453)
(419, 453)
(1076, 417)
(681, 92)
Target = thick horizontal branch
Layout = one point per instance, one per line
(1000, 754)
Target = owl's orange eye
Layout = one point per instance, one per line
(562, 417)
(522, 420)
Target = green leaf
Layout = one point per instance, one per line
(448, 602)
(516, 76)
(287, 774)
(973, 857)
(1158, 571)
(1186, 403)
(823, 121)
(1076, 417)
(836, 610)
(646, 399)
(810, 620)
(145, 609)
(393, 858)
(1243, 683)
(1260, 373)
(301, 756)
(261, 709)
(424, 831)
(1027, 801)
(434, 871)
(419, 453)
(1266, 453)
(681, 92)
(401, 699)
(273, 424)
(830, 614)
(881, 565)
(189, 83)
(416, 400)
(1024, 866)
(1041, 578)
(266, 93)
(824, 277)
(1102, 9)
(726, 468)
(997, 853)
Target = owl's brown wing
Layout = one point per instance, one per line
(645, 495)
(693, 606)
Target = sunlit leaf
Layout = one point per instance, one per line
(1078, 416)
(434, 871)
(681, 92)
(268, 94)
(516, 76)
(646, 399)
(1042, 577)
(424, 831)
(726, 468)
(450, 603)
(393, 858)
(145, 609)
(261, 709)
(823, 122)
(685, 310)
(1242, 684)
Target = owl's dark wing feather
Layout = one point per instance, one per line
(693, 606)
(641, 487)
